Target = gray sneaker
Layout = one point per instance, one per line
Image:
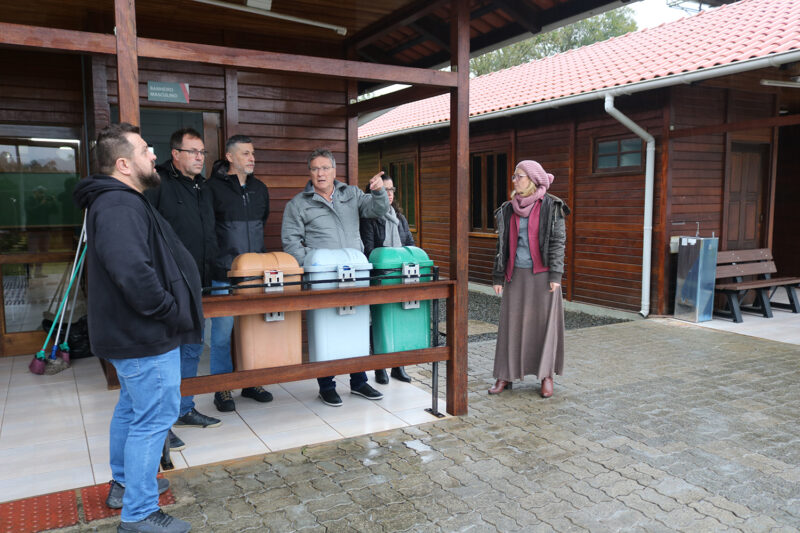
(194, 419)
(116, 491)
(157, 522)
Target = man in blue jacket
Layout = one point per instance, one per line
(241, 208)
(144, 303)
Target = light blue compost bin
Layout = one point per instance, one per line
(340, 332)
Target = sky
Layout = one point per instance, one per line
(649, 13)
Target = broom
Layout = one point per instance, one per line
(39, 363)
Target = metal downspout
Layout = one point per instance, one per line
(647, 241)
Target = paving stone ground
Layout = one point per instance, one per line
(653, 427)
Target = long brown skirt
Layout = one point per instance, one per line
(530, 337)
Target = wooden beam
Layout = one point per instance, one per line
(571, 187)
(393, 21)
(127, 61)
(249, 304)
(522, 13)
(433, 31)
(258, 59)
(459, 210)
(55, 39)
(285, 374)
(404, 96)
(769, 122)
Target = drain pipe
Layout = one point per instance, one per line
(647, 240)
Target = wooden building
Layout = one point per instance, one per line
(717, 92)
(285, 72)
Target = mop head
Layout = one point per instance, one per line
(54, 366)
(63, 352)
(38, 364)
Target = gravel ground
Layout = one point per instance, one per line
(486, 308)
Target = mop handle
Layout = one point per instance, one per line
(61, 306)
(72, 274)
(81, 241)
(74, 300)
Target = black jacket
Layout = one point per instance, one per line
(552, 237)
(240, 214)
(144, 289)
(186, 205)
(373, 232)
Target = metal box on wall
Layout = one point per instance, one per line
(697, 267)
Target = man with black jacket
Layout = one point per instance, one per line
(144, 302)
(185, 202)
(241, 208)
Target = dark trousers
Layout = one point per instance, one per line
(356, 380)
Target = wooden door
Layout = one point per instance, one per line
(745, 184)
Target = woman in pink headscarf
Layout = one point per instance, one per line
(527, 273)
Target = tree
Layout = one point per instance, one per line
(598, 28)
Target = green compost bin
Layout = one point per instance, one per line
(401, 326)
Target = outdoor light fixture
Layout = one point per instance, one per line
(781, 83)
(262, 7)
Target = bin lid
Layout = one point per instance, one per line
(252, 264)
(395, 257)
(325, 260)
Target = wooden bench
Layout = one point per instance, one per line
(734, 265)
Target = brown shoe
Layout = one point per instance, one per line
(547, 387)
(500, 386)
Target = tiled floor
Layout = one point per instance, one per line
(784, 326)
(54, 431)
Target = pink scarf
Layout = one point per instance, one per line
(533, 239)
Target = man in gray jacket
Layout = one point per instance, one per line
(326, 214)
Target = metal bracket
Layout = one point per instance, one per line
(410, 275)
(347, 278)
(273, 279)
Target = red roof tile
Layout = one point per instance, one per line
(731, 33)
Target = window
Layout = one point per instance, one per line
(405, 195)
(618, 154)
(489, 188)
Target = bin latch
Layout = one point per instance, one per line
(411, 275)
(347, 278)
(273, 279)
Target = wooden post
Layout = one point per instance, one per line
(127, 60)
(459, 210)
(352, 128)
(231, 102)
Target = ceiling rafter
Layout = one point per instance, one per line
(522, 13)
(402, 17)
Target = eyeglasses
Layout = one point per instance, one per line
(318, 169)
(194, 153)
(390, 189)
(516, 177)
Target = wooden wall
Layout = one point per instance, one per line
(787, 215)
(286, 116)
(50, 97)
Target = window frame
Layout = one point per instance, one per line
(484, 230)
(637, 169)
(390, 163)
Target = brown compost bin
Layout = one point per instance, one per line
(266, 340)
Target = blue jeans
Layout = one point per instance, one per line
(190, 358)
(221, 328)
(356, 380)
(149, 396)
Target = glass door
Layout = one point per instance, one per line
(39, 228)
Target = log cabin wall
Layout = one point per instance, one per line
(608, 208)
(49, 95)
(286, 117)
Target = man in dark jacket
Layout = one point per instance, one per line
(241, 208)
(185, 202)
(144, 302)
